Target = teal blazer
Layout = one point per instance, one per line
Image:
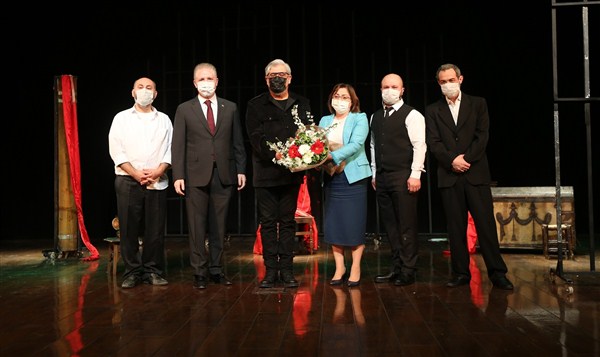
(356, 130)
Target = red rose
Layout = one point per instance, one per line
(293, 152)
(317, 147)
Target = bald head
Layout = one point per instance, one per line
(144, 82)
(392, 88)
(144, 93)
(392, 80)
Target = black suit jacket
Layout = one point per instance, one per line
(469, 136)
(193, 144)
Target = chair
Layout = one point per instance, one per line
(305, 221)
(550, 244)
(114, 247)
(306, 226)
(114, 251)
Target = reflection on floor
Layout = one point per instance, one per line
(68, 307)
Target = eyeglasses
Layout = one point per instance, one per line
(342, 97)
(278, 74)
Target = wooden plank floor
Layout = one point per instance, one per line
(68, 307)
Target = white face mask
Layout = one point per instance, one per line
(206, 88)
(340, 106)
(450, 90)
(144, 97)
(390, 96)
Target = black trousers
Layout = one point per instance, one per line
(398, 210)
(141, 212)
(277, 210)
(458, 200)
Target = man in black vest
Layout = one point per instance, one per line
(397, 159)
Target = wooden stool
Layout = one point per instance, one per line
(114, 250)
(306, 221)
(550, 246)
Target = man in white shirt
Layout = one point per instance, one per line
(140, 146)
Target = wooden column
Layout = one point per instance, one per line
(66, 228)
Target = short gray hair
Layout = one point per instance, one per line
(210, 66)
(277, 61)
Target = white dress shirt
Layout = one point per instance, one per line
(415, 125)
(143, 140)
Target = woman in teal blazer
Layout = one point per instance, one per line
(345, 181)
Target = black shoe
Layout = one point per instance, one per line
(340, 281)
(199, 282)
(155, 279)
(391, 276)
(269, 280)
(458, 281)
(131, 281)
(288, 280)
(220, 279)
(502, 283)
(336, 282)
(353, 284)
(405, 279)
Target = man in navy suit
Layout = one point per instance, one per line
(457, 136)
(209, 159)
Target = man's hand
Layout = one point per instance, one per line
(413, 184)
(459, 164)
(179, 187)
(241, 181)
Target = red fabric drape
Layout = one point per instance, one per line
(303, 203)
(258, 249)
(71, 133)
(471, 236)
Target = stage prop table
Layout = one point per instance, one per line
(523, 215)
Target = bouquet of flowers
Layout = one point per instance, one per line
(306, 150)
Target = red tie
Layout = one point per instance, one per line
(210, 117)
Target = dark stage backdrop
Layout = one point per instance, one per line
(505, 53)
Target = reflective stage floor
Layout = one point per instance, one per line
(70, 307)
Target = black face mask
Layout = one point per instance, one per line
(277, 84)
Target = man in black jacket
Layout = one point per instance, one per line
(457, 136)
(269, 118)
